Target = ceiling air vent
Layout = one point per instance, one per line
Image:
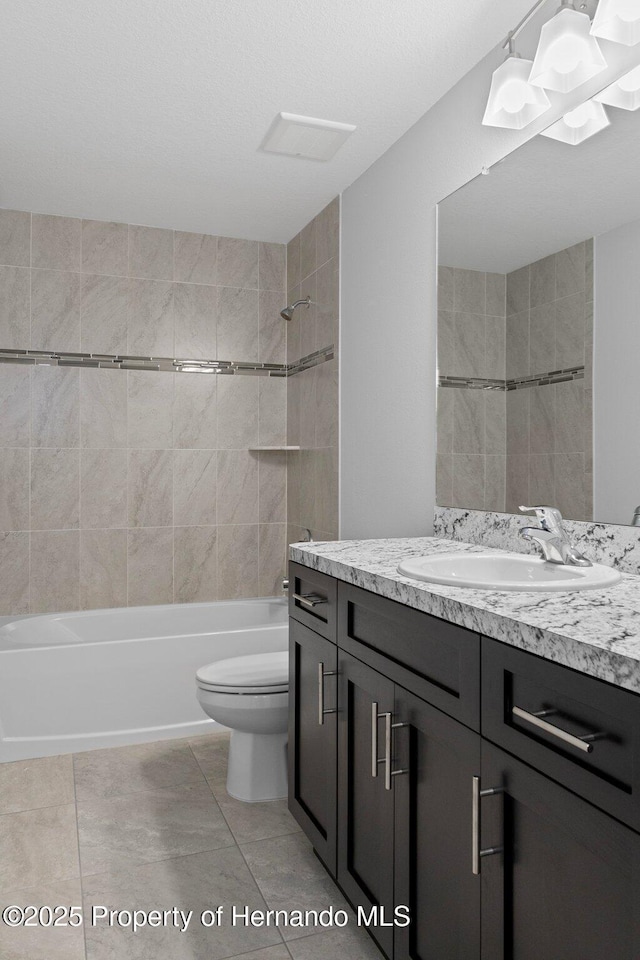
(306, 137)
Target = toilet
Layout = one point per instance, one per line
(250, 696)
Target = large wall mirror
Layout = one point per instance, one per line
(539, 330)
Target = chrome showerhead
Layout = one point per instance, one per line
(287, 313)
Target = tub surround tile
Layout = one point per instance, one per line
(15, 306)
(308, 263)
(44, 943)
(104, 307)
(14, 573)
(195, 257)
(238, 412)
(195, 412)
(103, 408)
(104, 247)
(151, 323)
(238, 323)
(272, 398)
(272, 482)
(194, 497)
(103, 569)
(293, 262)
(150, 566)
(469, 291)
(596, 632)
(328, 305)
(55, 489)
(272, 559)
(195, 564)
(103, 488)
(238, 568)
(150, 488)
(195, 311)
(15, 406)
(237, 486)
(31, 784)
(15, 238)
(149, 409)
(272, 329)
(38, 847)
(55, 407)
(272, 270)
(55, 310)
(328, 233)
(14, 489)
(120, 833)
(55, 571)
(56, 242)
(150, 252)
(238, 263)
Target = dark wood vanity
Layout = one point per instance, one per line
(494, 793)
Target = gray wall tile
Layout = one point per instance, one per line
(238, 565)
(150, 409)
(15, 238)
(55, 571)
(55, 407)
(194, 498)
(14, 573)
(55, 489)
(103, 408)
(195, 411)
(15, 406)
(195, 257)
(104, 247)
(103, 569)
(273, 558)
(238, 408)
(150, 252)
(151, 323)
(150, 488)
(195, 312)
(237, 324)
(196, 564)
(103, 488)
(104, 314)
(238, 263)
(273, 267)
(14, 489)
(15, 307)
(56, 242)
(237, 487)
(150, 566)
(55, 310)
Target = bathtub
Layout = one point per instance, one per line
(102, 678)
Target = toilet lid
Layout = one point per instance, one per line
(257, 673)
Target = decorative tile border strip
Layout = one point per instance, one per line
(164, 364)
(516, 383)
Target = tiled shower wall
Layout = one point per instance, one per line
(471, 455)
(129, 487)
(313, 263)
(496, 448)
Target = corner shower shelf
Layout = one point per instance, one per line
(272, 449)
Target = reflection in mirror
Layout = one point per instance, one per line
(539, 331)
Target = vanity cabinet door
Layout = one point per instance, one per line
(433, 836)
(365, 806)
(313, 738)
(567, 886)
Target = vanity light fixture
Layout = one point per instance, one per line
(618, 20)
(579, 124)
(567, 55)
(624, 93)
(513, 101)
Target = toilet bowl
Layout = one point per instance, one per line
(250, 696)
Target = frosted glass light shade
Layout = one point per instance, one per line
(567, 54)
(618, 20)
(580, 124)
(513, 101)
(624, 93)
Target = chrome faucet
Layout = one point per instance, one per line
(552, 538)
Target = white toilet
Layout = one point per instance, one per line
(250, 696)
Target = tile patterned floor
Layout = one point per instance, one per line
(152, 827)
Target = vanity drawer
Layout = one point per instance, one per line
(313, 599)
(436, 660)
(583, 732)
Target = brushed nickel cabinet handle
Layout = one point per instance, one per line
(476, 850)
(389, 727)
(322, 673)
(309, 600)
(584, 744)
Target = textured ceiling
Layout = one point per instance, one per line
(542, 198)
(153, 111)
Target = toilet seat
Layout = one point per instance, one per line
(261, 673)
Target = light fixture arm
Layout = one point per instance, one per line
(513, 34)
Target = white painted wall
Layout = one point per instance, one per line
(616, 385)
(388, 310)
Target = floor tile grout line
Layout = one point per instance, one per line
(75, 807)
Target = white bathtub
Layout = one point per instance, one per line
(76, 681)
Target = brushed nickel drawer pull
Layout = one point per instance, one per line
(477, 853)
(389, 727)
(584, 744)
(310, 600)
(322, 673)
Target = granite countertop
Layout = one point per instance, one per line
(594, 631)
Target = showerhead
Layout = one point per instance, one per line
(287, 313)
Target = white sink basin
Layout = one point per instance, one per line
(506, 571)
